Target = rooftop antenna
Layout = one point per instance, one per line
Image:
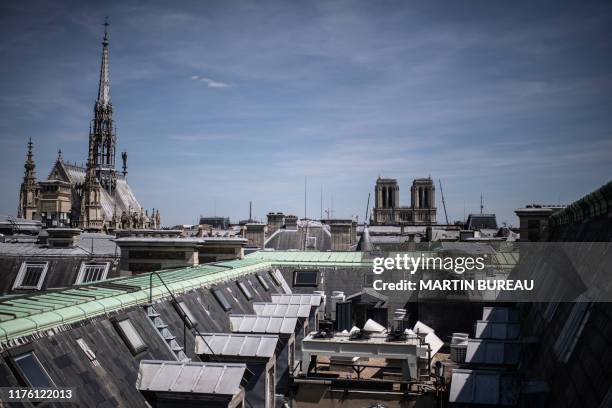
(250, 211)
(481, 205)
(367, 209)
(443, 201)
(321, 202)
(305, 187)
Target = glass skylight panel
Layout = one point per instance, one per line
(188, 313)
(32, 371)
(245, 291)
(263, 283)
(221, 299)
(131, 336)
(305, 278)
(274, 277)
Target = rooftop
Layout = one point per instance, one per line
(22, 315)
(86, 244)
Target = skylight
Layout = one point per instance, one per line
(221, 299)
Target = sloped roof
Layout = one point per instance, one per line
(24, 315)
(284, 239)
(123, 199)
(41, 311)
(481, 221)
(87, 244)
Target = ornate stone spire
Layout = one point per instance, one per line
(102, 138)
(28, 194)
(30, 167)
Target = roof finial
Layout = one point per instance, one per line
(59, 155)
(106, 24)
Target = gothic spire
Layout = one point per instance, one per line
(28, 194)
(29, 163)
(104, 85)
(102, 138)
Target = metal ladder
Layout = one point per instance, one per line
(169, 338)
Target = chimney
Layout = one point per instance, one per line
(275, 222)
(291, 222)
(340, 234)
(255, 234)
(62, 237)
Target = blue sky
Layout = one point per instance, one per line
(219, 103)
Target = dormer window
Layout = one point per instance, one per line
(92, 272)
(31, 275)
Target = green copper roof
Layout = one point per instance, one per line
(308, 257)
(32, 313)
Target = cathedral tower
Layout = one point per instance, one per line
(29, 192)
(423, 200)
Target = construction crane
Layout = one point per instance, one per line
(443, 201)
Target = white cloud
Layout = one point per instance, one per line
(211, 83)
(214, 84)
